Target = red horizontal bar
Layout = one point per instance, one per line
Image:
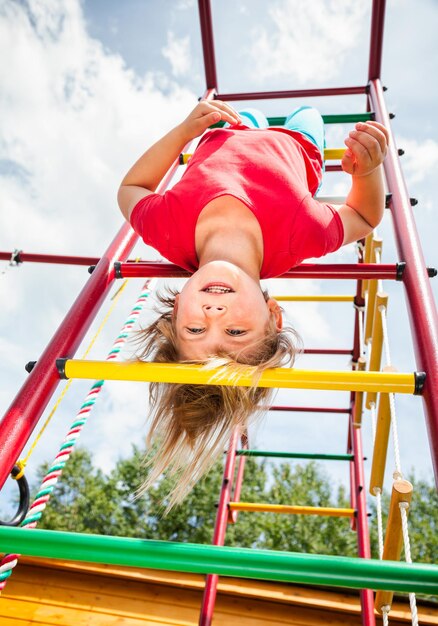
(21, 257)
(309, 409)
(296, 93)
(335, 271)
(333, 168)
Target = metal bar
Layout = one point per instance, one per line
(27, 407)
(308, 409)
(296, 93)
(22, 257)
(359, 303)
(261, 507)
(420, 301)
(239, 562)
(232, 515)
(337, 118)
(336, 271)
(376, 42)
(220, 528)
(295, 455)
(363, 536)
(316, 298)
(279, 377)
(205, 18)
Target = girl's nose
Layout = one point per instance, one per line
(212, 310)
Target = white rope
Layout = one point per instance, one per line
(379, 260)
(397, 474)
(361, 331)
(404, 518)
(382, 310)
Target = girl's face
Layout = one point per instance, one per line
(221, 309)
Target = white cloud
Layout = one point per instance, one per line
(73, 120)
(177, 52)
(420, 159)
(306, 40)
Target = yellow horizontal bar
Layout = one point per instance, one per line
(293, 510)
(314, 298)
(279, 377)
(330, 154)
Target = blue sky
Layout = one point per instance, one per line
(89, 85)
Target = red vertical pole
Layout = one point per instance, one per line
(232, 516)
(204, 7)
(420, 302)
(376, 42)
(220, 528)
(26, 409)
(363, 537)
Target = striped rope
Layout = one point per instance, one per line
(36, 510)
(397, 474)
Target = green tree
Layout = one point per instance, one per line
(307, 485)
(88, 501)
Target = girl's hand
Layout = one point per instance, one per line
(204, 115)
(366, 148)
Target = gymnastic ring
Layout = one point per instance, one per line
(23, 505)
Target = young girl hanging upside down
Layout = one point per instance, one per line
(244, 210)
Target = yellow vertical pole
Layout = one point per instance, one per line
(366, 259)
(358, 404)
(380, 450)
(376, 341)
(376, 244)
(401, 492)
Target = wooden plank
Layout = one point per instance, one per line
(106, 598)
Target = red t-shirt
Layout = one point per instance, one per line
(275, 174)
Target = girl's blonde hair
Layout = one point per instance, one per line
(191, 424)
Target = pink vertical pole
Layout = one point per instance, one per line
(420, 302)
(220, 528)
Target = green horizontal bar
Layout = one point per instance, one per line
(342, 118)
(296, 455)
(238, 562)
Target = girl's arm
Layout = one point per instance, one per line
(365, 203)
(145, 175)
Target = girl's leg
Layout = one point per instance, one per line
(253, 118)
(308, 121)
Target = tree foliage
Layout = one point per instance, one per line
(87, 500)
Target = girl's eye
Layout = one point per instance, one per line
(195, 331)
(235, 332)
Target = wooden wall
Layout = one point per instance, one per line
(58, 593)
